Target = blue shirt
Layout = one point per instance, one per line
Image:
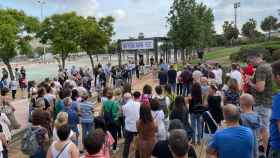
(275, 116)
(86, 112)
(233, 142)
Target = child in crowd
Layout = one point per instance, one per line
(100, 124)
(249, 118)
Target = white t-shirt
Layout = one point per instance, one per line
(131, 113)
(218, 75)
(159, 119)
(235, 74)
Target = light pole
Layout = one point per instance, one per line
(42, 3)
(236, 5)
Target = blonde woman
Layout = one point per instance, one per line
(61, 119)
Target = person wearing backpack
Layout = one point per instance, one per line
(110, 111)
(164, 101)
(34, 141)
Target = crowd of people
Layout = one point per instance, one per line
(232, 111)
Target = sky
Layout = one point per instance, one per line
(147, 16)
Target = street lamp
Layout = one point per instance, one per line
(42, 3)
(236, 5)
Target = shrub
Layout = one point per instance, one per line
(244, 51)
(276, 55)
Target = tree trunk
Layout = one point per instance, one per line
(63, 60)
(97, 58)
(92, 63)
(183, 56)
(175, 55)
(10, 69)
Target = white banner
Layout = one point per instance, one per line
(134, 45)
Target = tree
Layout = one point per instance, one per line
(230, 32)
(191, 25)
(249, 29)
(61, 31)
(16, 31)
(95, 35)
(205, 26)
(269, 24)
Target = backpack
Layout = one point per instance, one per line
(108, 115)
(29, 143)
(163, 106)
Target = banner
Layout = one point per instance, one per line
(135, 45)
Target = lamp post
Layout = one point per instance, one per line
(42, 3)
(236, 5)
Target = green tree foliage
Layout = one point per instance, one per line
(95, 35)
(62, 31)
(269, 24)
(16, 31)
(191, 25)
(230, 32)
(249, 29)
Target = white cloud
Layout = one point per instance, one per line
(119, 14)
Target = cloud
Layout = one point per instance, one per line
(119, 14)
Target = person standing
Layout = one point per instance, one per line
(63, 147)
(261, 88)
(275, 117)
(179, 82)
(178, 142)
(236, 74)
(147, 129)
(196, 109)
(13, 87)
(131, 114)
(86, 109)
(234, 140)
(17, 74)
(162, 77)
(249, 118)
(186, 76)
(110, 111)
(172, 75)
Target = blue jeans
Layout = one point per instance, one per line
(86, 127)
(196, 123)
(173, 87)
(185, 90)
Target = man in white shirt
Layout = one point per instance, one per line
(218, 74)
(235, 74)
(131, 114)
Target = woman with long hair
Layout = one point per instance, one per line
(147, 130)
(196, 109)
(232, 95)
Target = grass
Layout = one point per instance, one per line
(220, 55)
